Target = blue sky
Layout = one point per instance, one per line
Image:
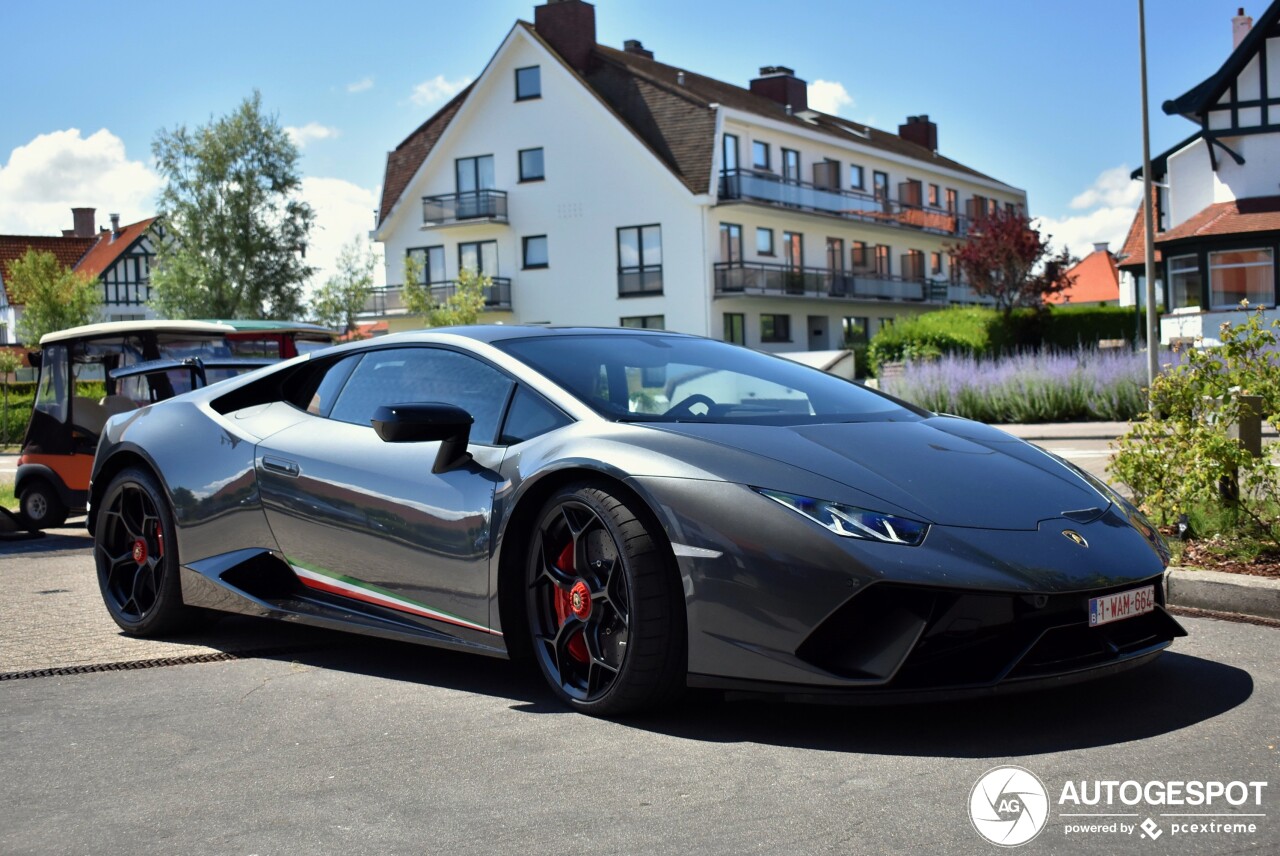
(1043, 94)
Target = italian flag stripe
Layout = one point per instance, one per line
(322, 580)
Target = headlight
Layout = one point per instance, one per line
(853, 522)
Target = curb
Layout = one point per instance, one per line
(1222, 592)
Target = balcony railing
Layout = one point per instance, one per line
(767, 187)
(774, 280)
(465, 207)
(390, 300)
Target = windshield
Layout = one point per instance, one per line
(653, 378)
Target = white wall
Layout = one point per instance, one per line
(1192, 182)
(599, 177)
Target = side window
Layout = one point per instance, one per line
(321, 392)
(530, 416)
(403, 375)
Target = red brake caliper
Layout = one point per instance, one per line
(565, 603)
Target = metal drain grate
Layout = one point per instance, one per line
(130, 665)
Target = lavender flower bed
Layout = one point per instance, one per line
(1029, 387)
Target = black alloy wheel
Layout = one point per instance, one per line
(604, 605)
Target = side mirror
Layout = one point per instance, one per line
(422, 422)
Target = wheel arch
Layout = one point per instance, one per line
(518, 528)
(120, 459)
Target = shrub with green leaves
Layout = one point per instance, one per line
(1179, 456)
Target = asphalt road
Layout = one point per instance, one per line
(348, 745)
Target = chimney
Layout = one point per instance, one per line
(633, 46)
(921, 131)
(569, 26)
(1241, 24)
(115, 226)
(779, 83)
(1101, 246)
(84, 222)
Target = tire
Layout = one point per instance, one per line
(604, 604)
(40, 506)
(137, 558)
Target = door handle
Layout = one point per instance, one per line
(281, 466)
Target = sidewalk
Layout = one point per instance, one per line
(1083, 430)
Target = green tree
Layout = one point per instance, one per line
(463, 306)
(236, 228)
(9, 363)
(344, 294)
(52, 296)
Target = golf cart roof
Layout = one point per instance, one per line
(119, 328)
(256, 326)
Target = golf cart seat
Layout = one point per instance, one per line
(113, 405)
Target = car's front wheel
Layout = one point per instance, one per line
(605, 607)
(137, 558)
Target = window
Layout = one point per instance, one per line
(790, 165)
(775, 328)
(913, 265)
(321, 390)
(430, 263)
(528, 83)
(474, 174)
(731, 243)
(639, 260)
(933, 196)
(1185, 283)
(730, 152)
(880, 181)
(1237, 275)
(764, 241)
(1009, 208)
(479, 256)
(911, 192)
(835, 255)
(644, 322)
(759, 155)
(531, 168)
(856, 330)
(793, 249)
(858, 257)
(398, 375)
(535, 251)
(735, 328)
(856, 177)
(826, 174)
(884, 266)
(935, 263)
(529, 416)
(953, 199)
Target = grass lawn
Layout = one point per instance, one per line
(7, 499)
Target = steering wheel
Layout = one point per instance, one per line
(685, 406)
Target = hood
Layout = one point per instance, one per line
(945, 470)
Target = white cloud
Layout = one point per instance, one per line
(343, 211)
(44, 179)
(1107, 207)
(310, 132)
(437, 89)
(1111, 188)
(360, 85)
(830, 97)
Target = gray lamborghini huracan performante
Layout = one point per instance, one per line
(638, 511)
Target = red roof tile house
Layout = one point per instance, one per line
(601, 186)
(1216, 204)
(1095, 281)
(119, 257)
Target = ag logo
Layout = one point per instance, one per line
(1008, 806)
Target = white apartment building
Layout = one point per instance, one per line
(598, 186)
(1217, 193)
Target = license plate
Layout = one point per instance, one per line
(1125, 604)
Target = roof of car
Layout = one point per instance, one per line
(501, 332)
(116, 328)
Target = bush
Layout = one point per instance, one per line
(1180, 456)
(972, 330)
(1067, 327)
(1028, 387)
(15, 428)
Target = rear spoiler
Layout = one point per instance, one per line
(196, 365)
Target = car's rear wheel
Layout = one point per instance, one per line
(605, 609)
(40, 505)
(137, 558)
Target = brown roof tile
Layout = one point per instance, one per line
(403, 163)
(1256, 214)
(68, 251)
(1096, 280)
(104, 253)
(1133, 253)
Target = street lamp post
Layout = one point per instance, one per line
(1153, 337)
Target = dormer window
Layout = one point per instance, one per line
(528, 83)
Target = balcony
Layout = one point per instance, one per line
(734, 279)
(765, 187)
(477, 206)
(390, 300)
